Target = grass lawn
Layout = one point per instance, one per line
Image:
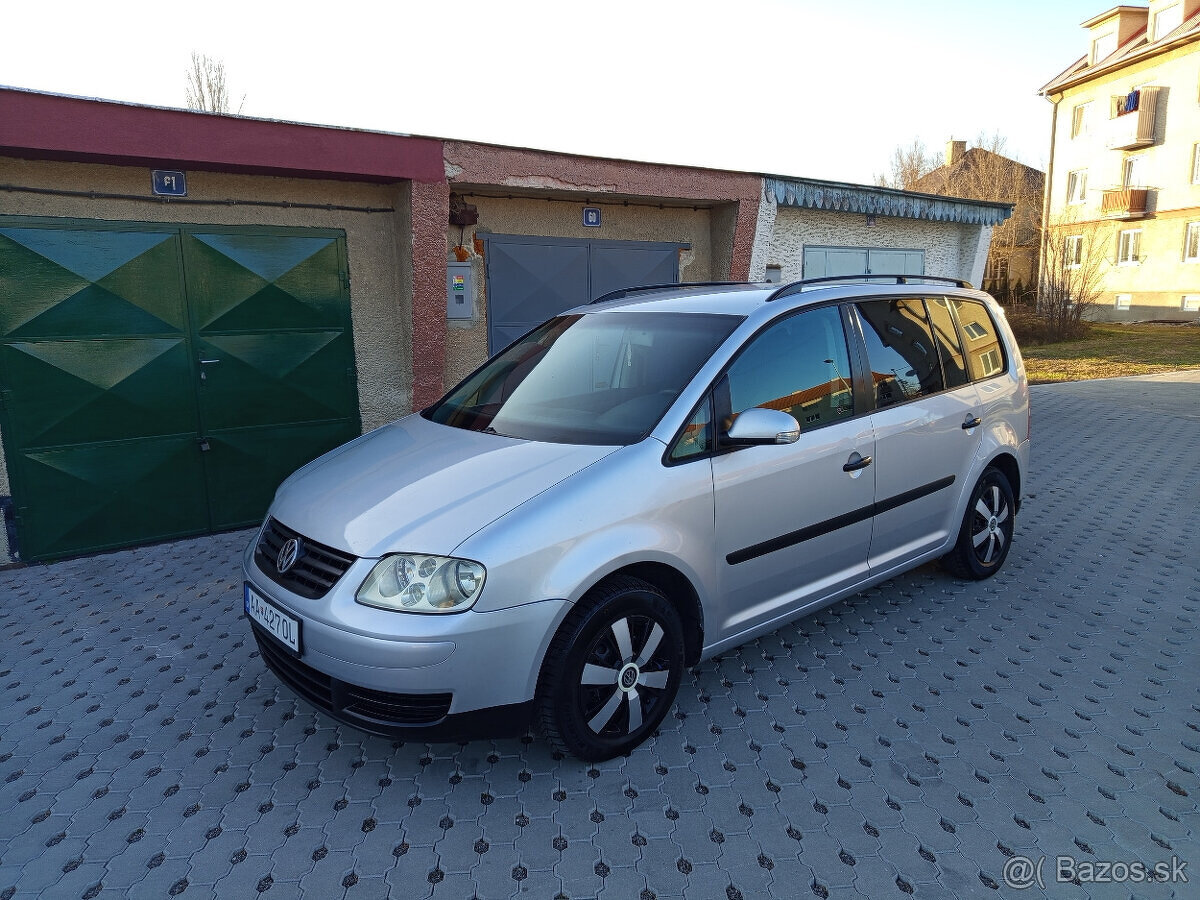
(1110, 350)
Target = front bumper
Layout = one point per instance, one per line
(406, 675)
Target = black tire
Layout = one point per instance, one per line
(600, 693)
(987, 529)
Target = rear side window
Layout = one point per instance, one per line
(901, 350)
(954, 367)
(984, 352)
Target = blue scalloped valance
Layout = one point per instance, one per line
(861, 198)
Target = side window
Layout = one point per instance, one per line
(985, 356)
(954, 367)
(696, 439)
(901, 350)
(799, 365)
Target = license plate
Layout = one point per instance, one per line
(281, 626)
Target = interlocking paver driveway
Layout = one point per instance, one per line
(910, 741)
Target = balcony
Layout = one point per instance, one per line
(1134, 129)
(1123, 203)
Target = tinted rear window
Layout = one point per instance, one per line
(984, 351)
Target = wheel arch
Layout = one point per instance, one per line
(1011, 469)
(678, 589)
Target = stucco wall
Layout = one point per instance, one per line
(378, 247)
(1161, 278)
(466, 341)
(951, 250)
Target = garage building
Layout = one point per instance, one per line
(193, 305)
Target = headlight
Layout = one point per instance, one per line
(414, 582)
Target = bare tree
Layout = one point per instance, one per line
(206, 87)
(988, 173)
(909, 164)
(1074, 260)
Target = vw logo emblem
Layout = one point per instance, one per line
(288, 554)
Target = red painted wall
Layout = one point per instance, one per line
(430, 212)
(485, 165)
(47, 126)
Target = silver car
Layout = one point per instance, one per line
(632, 487)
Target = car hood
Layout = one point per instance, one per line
(418, 486)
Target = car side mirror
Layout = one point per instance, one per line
(762, 426)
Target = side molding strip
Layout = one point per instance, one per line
(845, 519)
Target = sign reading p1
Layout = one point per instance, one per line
(591, 216)
(167, 183)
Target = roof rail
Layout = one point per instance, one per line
(796, 286)
(646, 288)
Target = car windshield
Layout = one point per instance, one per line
(597, 378)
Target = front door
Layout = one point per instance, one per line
(793, 525)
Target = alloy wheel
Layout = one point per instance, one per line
(625, 676)
(992, 525)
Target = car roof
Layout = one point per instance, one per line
(744, 299)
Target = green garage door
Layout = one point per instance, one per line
(160, 381)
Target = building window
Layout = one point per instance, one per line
(1076, 187)
(1123, 301)
(1191, 302)
(1128, 244)
(974, 331)
(1073, 251)
(990, 362)
(1079, 119)
(1196, 164)
(1133, 172)
(1191, 243)
(1167, 20)
(1103, 46)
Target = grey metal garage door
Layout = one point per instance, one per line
(822, 261)
(530, 279)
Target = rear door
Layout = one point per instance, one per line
(925, 440)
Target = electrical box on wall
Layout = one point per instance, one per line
(460, 291)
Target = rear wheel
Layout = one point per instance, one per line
(612, 671)
(987, 529)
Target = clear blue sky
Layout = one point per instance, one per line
(792, 87)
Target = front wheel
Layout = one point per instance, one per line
(987, 529)
(612, 670)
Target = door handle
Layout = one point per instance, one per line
(208, 362)
(972, 422)
(855, 464)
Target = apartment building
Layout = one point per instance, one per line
(1123, 187)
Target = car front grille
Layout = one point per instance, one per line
(365, 708)
(315, 571)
